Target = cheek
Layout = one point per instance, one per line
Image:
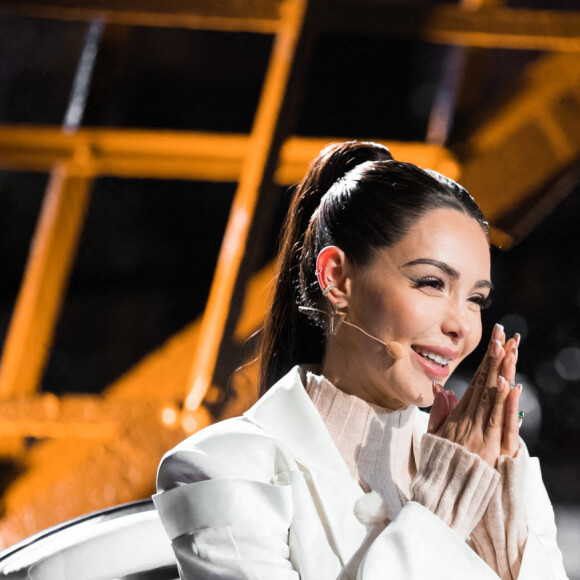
(395, 314)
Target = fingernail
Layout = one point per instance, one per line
(496, 348)
(450, 392)
(497, 330)
(434, 387)
(517, 338)
(500, 384)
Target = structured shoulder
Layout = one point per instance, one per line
(235, 448)
(220, 434)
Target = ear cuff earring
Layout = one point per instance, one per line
(328, 289)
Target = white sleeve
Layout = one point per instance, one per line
(542, 557)
(226, 527)
(418, 545)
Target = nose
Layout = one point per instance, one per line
(456, 323)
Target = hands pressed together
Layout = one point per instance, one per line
(486, 420)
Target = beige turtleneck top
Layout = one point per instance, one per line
(473, 498)
(364, 432)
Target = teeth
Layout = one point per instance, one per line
(433, 356)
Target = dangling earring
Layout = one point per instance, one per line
(336, 319)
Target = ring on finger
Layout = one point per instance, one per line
(521, 416)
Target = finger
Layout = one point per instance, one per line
(480, 376)
(452, 400)
(495, 424)
(498, 332)
(439, 410)
(481, 370)
(482, 400)
(508, 366)
(511, 429)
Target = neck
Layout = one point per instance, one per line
(343, 366)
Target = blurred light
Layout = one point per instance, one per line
(189, 423)
(548, 379)
(195, 396)
(214, 395)
(169, 416)
(514, 323)
(568, 363)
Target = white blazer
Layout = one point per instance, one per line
(268, 496)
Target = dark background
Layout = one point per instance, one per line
(149, 247)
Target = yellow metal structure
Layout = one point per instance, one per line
(96, 451)
(244, 204)
(51, 255)
(179, 155)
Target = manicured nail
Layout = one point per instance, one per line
(434, 387)
(500, 384)
(498, 330)
(517, 338)
(450, 392)
(497, 347)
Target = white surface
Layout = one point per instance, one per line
(98, 551)
(568, 523)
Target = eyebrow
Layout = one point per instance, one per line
(446, 269)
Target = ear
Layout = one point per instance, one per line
(332, 268)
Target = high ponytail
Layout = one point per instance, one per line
(288, 337)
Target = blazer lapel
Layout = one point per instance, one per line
(287, 413)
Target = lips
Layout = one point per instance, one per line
(434, 361)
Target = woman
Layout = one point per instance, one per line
(335, 472)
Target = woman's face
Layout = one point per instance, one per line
(426, 293)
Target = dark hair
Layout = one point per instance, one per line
(357, 197)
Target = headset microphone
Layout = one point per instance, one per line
(394, 349)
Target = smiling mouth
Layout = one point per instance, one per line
(431, 356)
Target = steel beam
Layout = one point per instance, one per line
(489, 27)
(527, 143)
(260, 157)
(179, 155)
(51, 255)
(259, 16)
(493, 27)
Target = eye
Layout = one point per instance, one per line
(429, 282)
(481, 301)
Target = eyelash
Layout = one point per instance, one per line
(482, 301)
